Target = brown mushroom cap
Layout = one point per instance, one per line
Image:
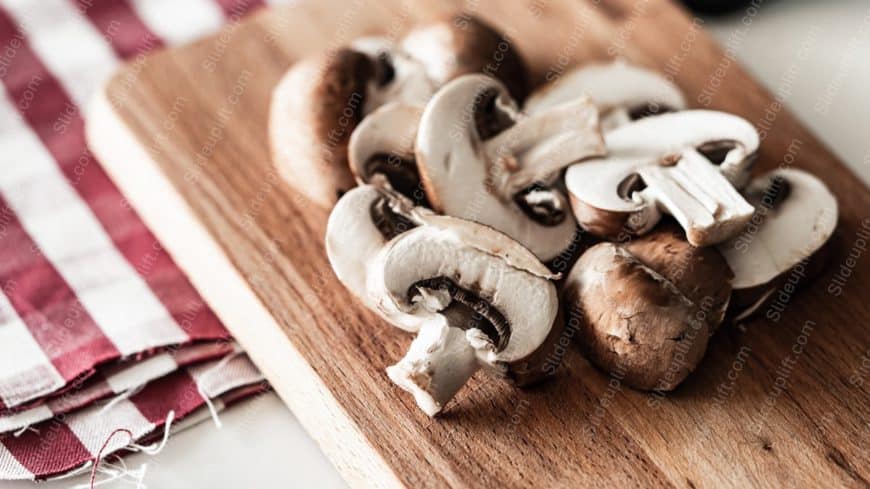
(641, 319)
(701, 274)
(461, 44)
(314, 110)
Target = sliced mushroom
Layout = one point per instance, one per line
(464, 44)
(399, 77)
(646, 311)
(383, 144)
(319, 102)
(359, 226)
(480, 299)
(622, 92)
(482, 160)
(684, 163)
(795, 217)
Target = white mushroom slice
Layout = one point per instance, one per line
(481, 299)
(360, 225)
(320, 100)
(682, 163)
(404, 79)
(795, 216)
(383, 144)
(622, 92)
(727, 140)
(479, 158)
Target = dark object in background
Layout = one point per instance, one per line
(715, 6)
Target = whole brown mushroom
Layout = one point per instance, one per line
(646, 310)
(320, 101)
(463, 44)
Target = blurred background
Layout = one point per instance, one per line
(815, 55)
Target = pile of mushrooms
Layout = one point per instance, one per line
(321, 99)
(452, 188)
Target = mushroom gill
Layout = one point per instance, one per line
(401, 173)
(389, 222)
(466, 310)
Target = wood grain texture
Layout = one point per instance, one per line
(775, 404)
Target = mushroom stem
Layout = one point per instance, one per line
(539, 145)
(438, 363)
(699, 197)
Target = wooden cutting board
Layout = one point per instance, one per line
(775, 403)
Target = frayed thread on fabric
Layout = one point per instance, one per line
(99, 456)
(156, 447)
(120, 471)
(202, 381)
(25, 429)
(120, 397)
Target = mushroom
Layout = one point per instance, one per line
(481, 159)
(684, 163)
(481, 300)
(359, 226)
(383, 144)
(477, 298)
(795, 217)
(319, 102)
(646, 310)
(622, 92)
(464, 44)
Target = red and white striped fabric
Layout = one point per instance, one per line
(66, 443)
(70, 302)
(83, 283)
(113, 380)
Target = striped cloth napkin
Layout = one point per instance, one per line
(91, 306)
(75, 441)
(114, 379)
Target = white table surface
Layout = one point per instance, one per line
(824, 46)
(262, 445)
